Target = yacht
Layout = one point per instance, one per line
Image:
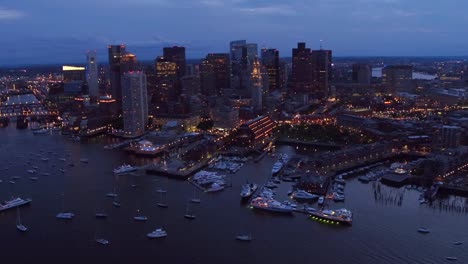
(424, 230)
(269, 204)
(124, 169)
(248, 189)
(215, 187)
(338, 197)
(140, 218)
(158, 233)
(13, 203)
(301, 194)
(276, 168)
(40, 131)
(102, 241)
(338, 216)
(246, 238)
(101, 215)
(321, 200)
(65, 215)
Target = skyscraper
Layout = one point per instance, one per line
(270, 60)
(362, 73)
(256, 86)
(215, 67)
(177, 55)
(115, 55)
(302, 69)
(322, 72)
(92, 74)
(168, 89)
(134, 103)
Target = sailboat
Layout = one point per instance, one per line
(116, 202)
(101, 240)
(196, 198)
(244, 237)
(188, 213)
(19, 226)
(162, 200)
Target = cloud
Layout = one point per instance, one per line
(6, 14)
(269, 10)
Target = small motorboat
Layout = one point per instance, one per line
(424, 230)
(246, 238)
(458, 243)
(102, 241)
(451, 258)
(140, 218)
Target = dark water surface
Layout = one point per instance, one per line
(383, 232)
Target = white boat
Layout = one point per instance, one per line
(40, 131)
(101, 215)
(458, 243)
(33, 178)
(248, 189)
(321, 200)
(111, 194)
(84, 160)
(140, 218)
(451, 258)
(158, 233)
(19, 225)
(337, 216)
(13, 203)
(188, 213)
(116, 204)
(424, 230)
(65, 215)
(245, 237)
(301, 194)
(215, 187)
(31, 171)
(276, 168)
(124, 169)
(102, 241)
(269, 204)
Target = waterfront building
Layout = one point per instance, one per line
(255, 131)
(134, 103)
(92, 74)
(397, 77)
(362, 73)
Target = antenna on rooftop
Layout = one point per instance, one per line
(321, 43)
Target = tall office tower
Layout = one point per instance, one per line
(92, 74)
(302, 69)
(256, 86)
(167, 81)
(177, 55)
(252, 51)
(134, 103)
(235, 48)
(362, 73)
(73, 79)
(323, 72)
(222, 70)
(270, 60)
(128, 62)
(115, 55)
(397, 77)
(207, 78)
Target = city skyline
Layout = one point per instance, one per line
(357, 28)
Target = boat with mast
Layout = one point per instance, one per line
(189, 213)
(19, 225)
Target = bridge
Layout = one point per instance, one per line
(23, 105)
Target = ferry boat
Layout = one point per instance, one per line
(339, 216)
(14, 203)
(124, 169)
(248, 189)
(269, 204)
(158, 233)
(276, 168)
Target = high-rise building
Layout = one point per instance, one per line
(73, 79)
(270, 60)
(236, 50)
(92, 74)
(362, 73)
(177, 55)
(256, 86)
(397, 77)
(322, 72)
(168, 88)
(252, 51)
(302, 69)
(115, 72)
(134, 103)
(215, 74)
(128, 62)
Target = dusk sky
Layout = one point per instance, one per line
(60, 31)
